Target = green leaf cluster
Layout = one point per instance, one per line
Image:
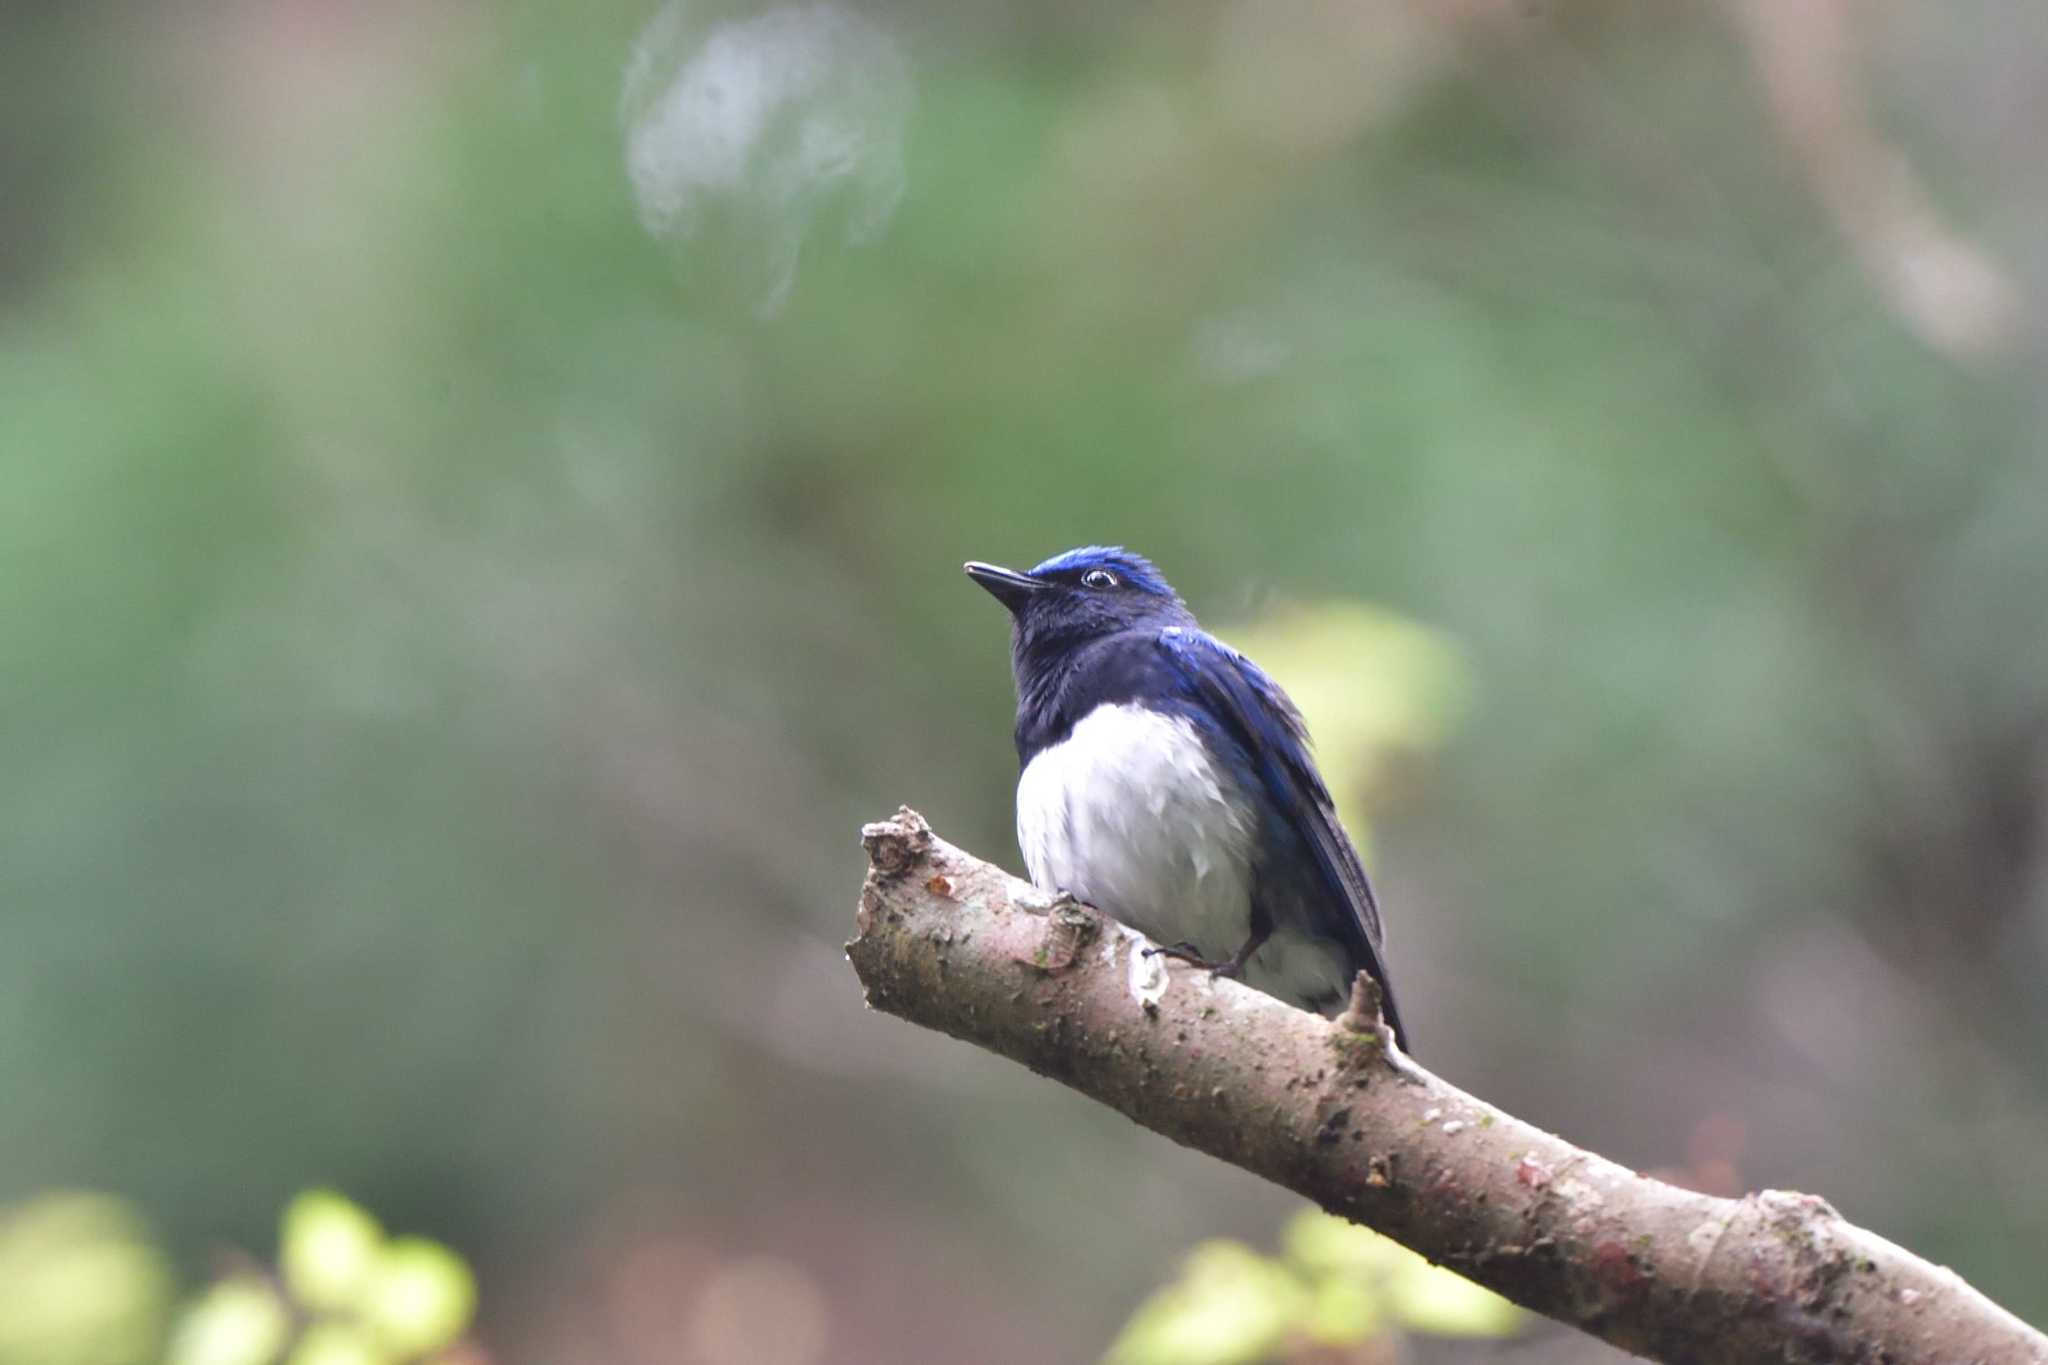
(86, 1284)
(344, 1294)
(1334, 1284)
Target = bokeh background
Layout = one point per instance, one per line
(482, 490)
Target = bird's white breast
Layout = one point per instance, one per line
(1131, 814)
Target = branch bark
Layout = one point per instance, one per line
(1331, 1111)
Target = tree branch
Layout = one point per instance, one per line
(1328, 1110)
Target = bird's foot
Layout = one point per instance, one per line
(1230, 968)
(1185, 952)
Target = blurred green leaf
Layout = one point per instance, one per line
(1321, 1244)
(1231, 1306)
(1335, 1284)
(338, 1343)
(239, 1321)
(1342, 1310)
(421, 1296)
(1372, 685)
(80, 1284)
(1429, 1298)
(1426, 1298)
(328, 1249)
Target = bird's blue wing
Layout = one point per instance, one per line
(1261, 718)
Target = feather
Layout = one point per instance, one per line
(1262, 720)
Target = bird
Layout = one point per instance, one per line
(1167, 781)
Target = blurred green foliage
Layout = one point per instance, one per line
(451, 634)
(239, 1321)
(87, 1285)
(1335, 1284)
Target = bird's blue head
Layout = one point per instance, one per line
(1076, 597)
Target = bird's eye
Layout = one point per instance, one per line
(1098, 578)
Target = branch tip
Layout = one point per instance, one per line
(896, 845)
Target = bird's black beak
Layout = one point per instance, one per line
(1007, 586)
